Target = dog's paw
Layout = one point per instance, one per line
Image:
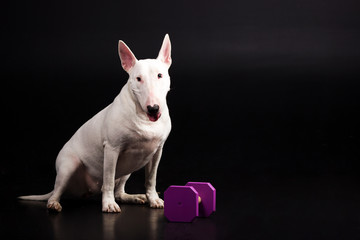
(156, 202)
(54, 206)
(110, 207)
(132, 198)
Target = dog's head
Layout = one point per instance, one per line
(149, 79)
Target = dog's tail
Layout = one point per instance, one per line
(44, 197)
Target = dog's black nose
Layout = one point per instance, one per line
(153, 109)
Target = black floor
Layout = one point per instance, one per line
(322, 207)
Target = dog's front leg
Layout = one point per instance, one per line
(108, 200)
(150, 181)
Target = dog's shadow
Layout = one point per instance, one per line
(83, 219)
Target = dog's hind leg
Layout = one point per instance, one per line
(123, 197)
(66, 165)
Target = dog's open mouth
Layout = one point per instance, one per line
(153, 117)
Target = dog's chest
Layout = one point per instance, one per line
(136, 152)
(140, 147)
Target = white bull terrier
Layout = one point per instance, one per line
(125, 136)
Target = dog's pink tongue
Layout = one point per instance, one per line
(154, 118)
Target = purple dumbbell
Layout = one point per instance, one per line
(184, 203)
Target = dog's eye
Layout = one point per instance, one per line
(159, 75)
(138, 79)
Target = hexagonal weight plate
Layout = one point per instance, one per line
(181, 203)
(207, 194)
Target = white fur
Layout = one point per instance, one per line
(120, 139)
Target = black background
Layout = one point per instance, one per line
(264, 103)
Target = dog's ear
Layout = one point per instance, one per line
(127, 58)
(165, 51)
